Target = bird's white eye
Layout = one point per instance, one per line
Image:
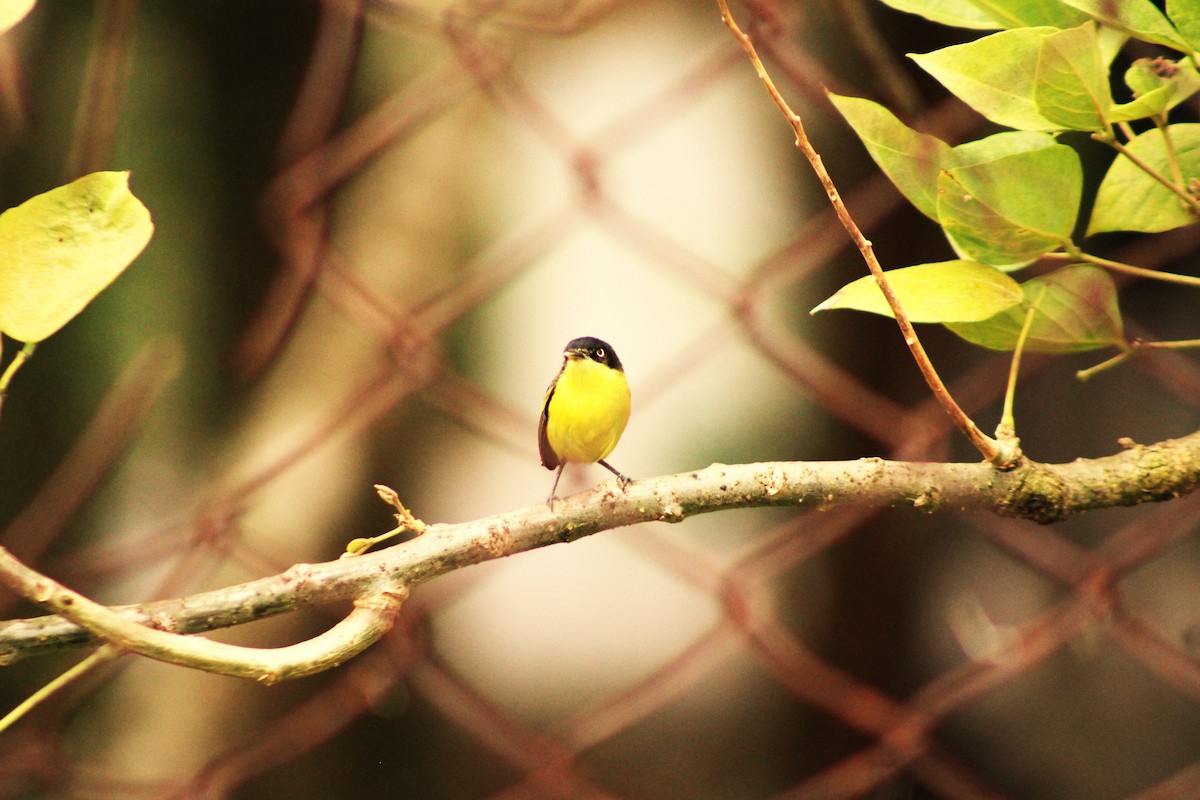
(600, 353)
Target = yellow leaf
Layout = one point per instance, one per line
(60, 249)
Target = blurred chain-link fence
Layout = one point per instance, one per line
(378, 223)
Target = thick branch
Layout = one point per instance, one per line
(371, 619)
(1043, 493)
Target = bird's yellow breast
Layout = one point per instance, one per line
(588, 411)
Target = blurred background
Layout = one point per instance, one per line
(378, 223)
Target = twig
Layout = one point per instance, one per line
(1191, 203)
(1160, 122)
(405, 522)
(102, 655)
(991, 450)
(1120, 358)
(1131, 349)
(1128, 269)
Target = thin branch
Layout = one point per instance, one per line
(1087, 373)
(988, 447)
(405, 523)
(102, 655)
(1160, 122)
(1132, 349)
(1139, 271)
(1173, 344)
(1040, 492)
(1189, 202)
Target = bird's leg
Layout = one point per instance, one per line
(554, 488)
(622, 480)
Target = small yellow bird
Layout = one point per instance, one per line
(585, 410)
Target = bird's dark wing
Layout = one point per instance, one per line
(549, 457)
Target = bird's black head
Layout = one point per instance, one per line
(597, 350)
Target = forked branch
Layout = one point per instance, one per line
(378, 581)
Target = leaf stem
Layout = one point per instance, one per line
(1104, 366)
(987, 446)
(1192, 204)
(23, 355)
(1160, 122)
(1131, 349)
(1177, 344)
(1130, 269)
(1007, 430)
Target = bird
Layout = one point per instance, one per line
(585, 409)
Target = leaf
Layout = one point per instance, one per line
(1185, 15)
(60, 249)
(996, 75)
(1030, 13)
(948, 291)
(1071, 84)
(910, 159)
(1111, 42)
(999, 145)
(13, 11)
(992, 14)
(1010, 210)
(1158, 85)
(1139, 18)
(1078, 312)
(1130, 200)
(956, 13)
(1146, 75)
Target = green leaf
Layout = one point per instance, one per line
(1010, 210)
(1139, 18)
(948, 291)
(1185, 14)
(1130, 200)
(910, 159)
(1071, 83)
(1030, 13)
(992, 14)
(999, 145)
(60, 249)
(956, 13)
(1077, 312)
(1158, 85)
(1111, 42)
(996, 75)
